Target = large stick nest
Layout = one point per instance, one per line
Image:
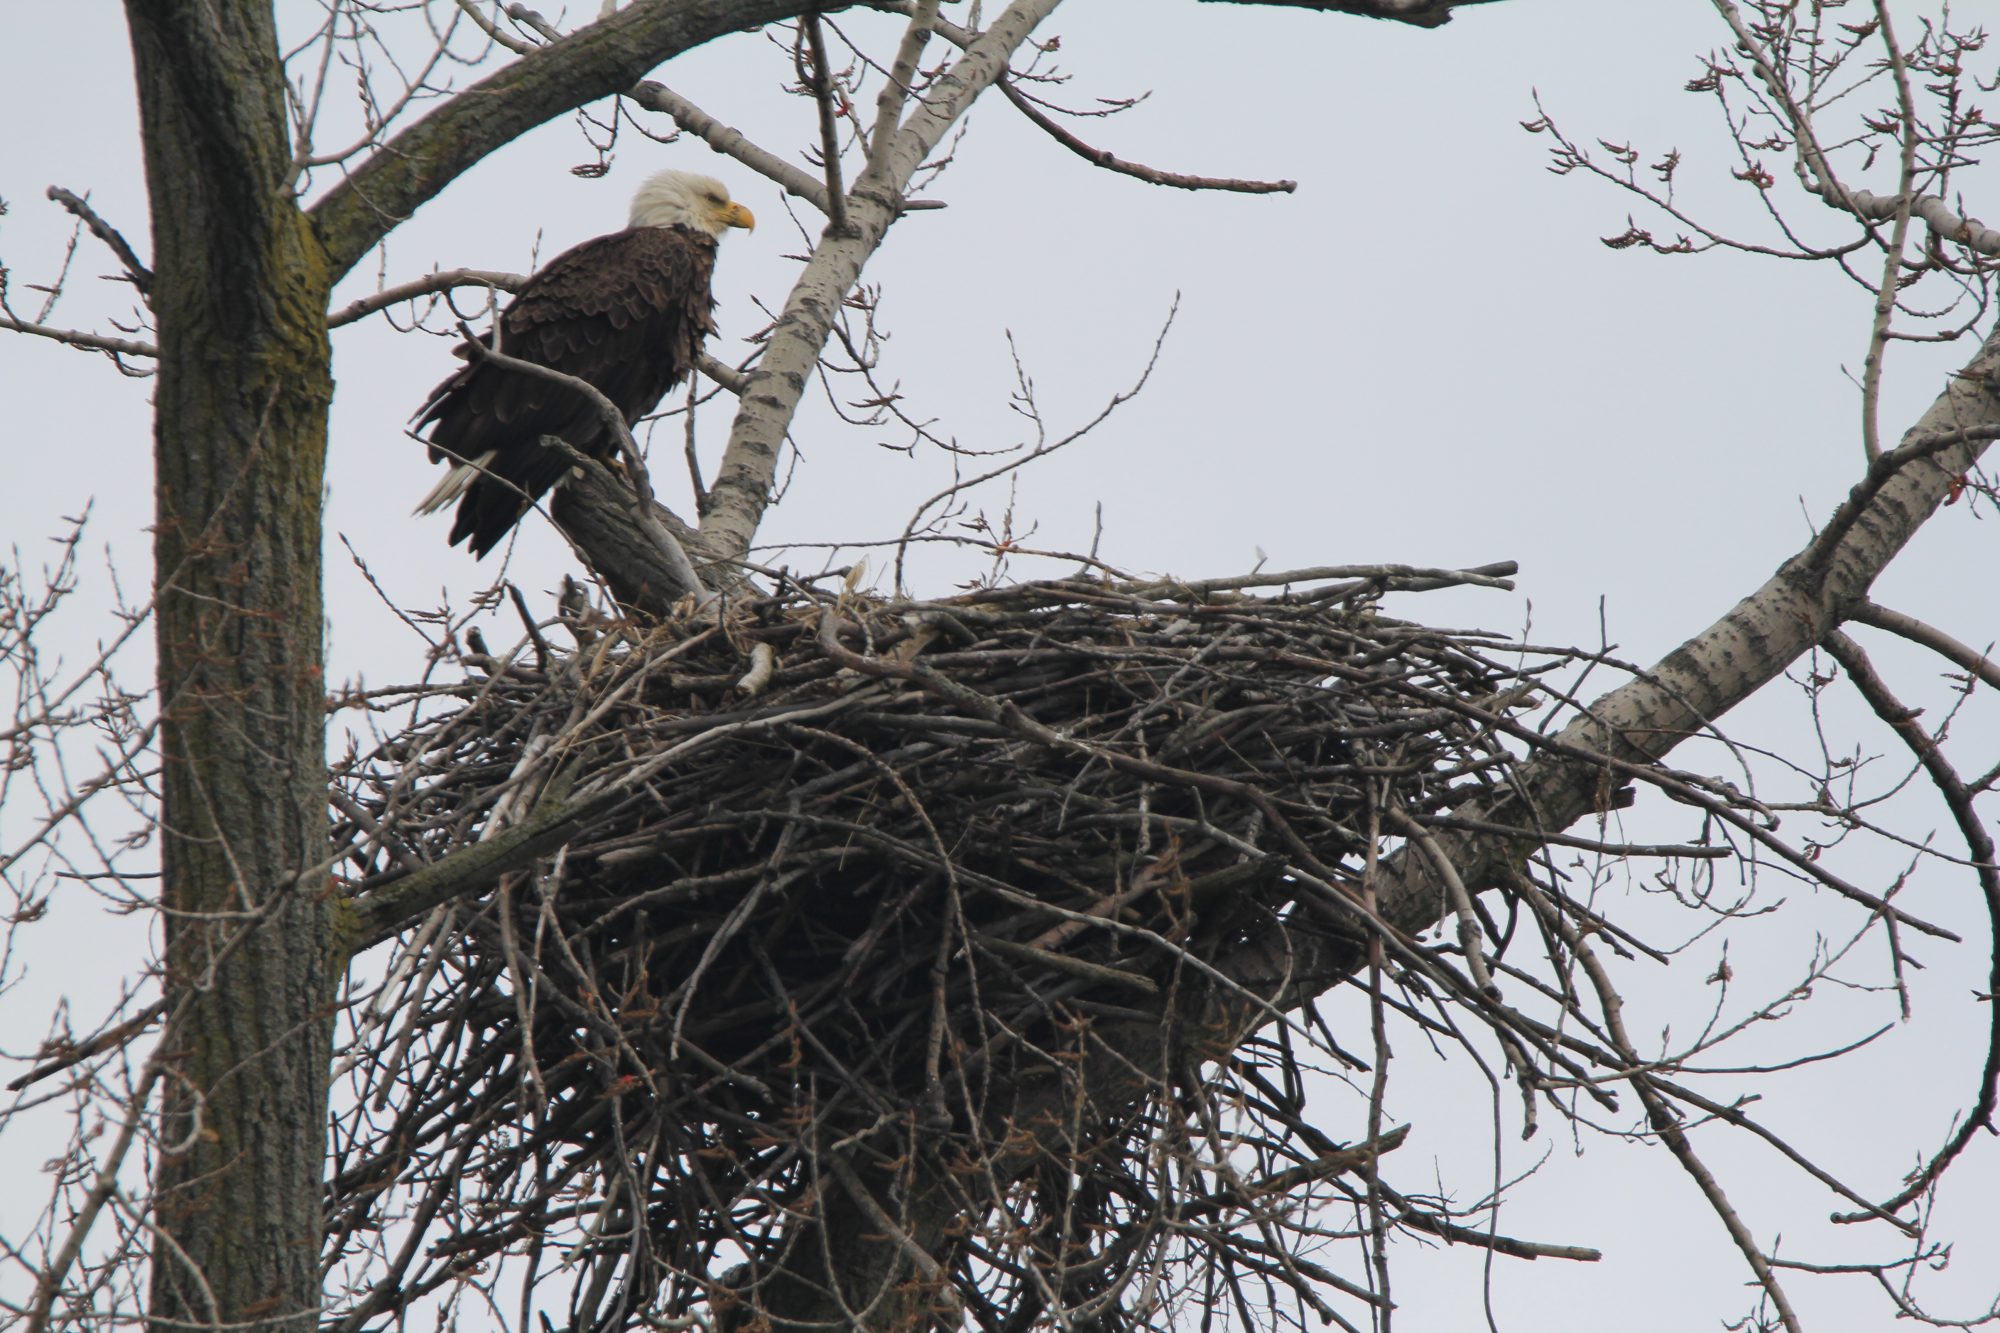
(849, 861)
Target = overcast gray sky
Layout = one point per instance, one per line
(1424, 355)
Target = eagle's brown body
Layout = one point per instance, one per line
(626, 313)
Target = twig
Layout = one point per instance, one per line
(508, 40)
(1663, 1121)
(543, 658)
(1979, 845)
(732, 143)
(1420, 1219)
(1471, 939)
(1819, 178)
(829, 128)
(728, 376)
(1892, 258)
(76, 338)
(48, 1283)
(429, 284)
(1917, 445)
(763, 662)
(103, 1041)
(1043, 447)
(1095, 973)
(142, 277)
(1410, 578)
(1916, 631)
(1099, 157)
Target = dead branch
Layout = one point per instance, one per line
(1979, 847)
(77, 338)
(428, 285)
(1975, 664)
(114, 240)
(1099, 157)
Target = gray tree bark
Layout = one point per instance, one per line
(240, 293)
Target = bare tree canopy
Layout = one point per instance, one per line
(751, 911)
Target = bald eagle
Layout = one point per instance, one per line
(626, 313)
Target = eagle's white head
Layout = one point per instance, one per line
(684, 198)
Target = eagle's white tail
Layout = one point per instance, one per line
(454, 483)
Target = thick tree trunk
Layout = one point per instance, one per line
(240, 440)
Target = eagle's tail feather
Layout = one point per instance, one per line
(454, 483)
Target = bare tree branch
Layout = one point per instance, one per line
(730, 142)
(742, 486)
(142, 277)
(729, 377)
(1099, 157)
(1979, 846)
(900, 82)
(724, 139)
(1979, 664)
(607, 57)
(95, 342)
(1892, 255)
(1768, 630)
(1419, 13)
(821, 78)
(430, 284)
(1817, 175)
(931, 923)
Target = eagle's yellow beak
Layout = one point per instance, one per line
(736, 215)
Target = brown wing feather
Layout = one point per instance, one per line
(626, 313)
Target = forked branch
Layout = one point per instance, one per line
(743, 483)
